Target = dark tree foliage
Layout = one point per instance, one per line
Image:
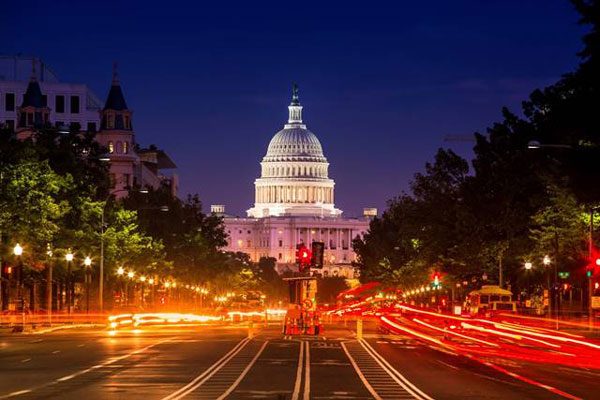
(464, 224)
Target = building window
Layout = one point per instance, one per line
(126, 180)
(119, 147)
(249, 232)
(249, 243)
(127, 122)
(9, 104)
(280, 243)
(126, 147)
(59, 104)
(74, 104)
(91, 127)
(113, 181)
(44, 100)
(280, 256)
(10, 124)
(240, 232)
(29, 119)
(111, 147)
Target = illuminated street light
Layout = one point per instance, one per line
(120, 271)
(167, 284)
(18, 250)
(546, 260)
(69, 257)
(142, 278)
(130, 274)
(151, 281)
(87, 261)
(528, 266)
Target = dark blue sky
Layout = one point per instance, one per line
(381, 82)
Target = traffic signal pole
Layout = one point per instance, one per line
(591, 258)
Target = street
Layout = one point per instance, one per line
(218, 362)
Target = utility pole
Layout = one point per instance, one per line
(591, 260)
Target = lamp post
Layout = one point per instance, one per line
(49, 283)
(130, 275)
(142, 280)
(69, 257)
(120, 273)
(88, 280)
(18, 251)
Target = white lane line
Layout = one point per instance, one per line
(306, 371)
(296, 393)
(206, 375)
(20, 392)
(244, 372)
(360, 374)
(397, 376)
(82, 372)
(56, 352)
(448, 365)
(26, 360)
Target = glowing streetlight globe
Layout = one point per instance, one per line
(546, 260)
(18, 250)
(151, 281)
(120, 271)
(87, 261)
(528, 266)
(69, 256)
(143, 278)
(130, 274)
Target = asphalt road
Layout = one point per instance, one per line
(222, 363)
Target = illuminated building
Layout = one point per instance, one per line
(294, 203)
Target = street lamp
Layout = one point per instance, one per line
(69, 257)
(88, 280)
(18, 252)
(528, 266)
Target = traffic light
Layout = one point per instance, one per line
(318, 251)
(303, 257)
(436, 280)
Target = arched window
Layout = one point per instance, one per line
(126, 147)
(111, 147)
(119, 147)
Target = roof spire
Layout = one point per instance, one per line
(33, 74)
(115, 74)
(295, 100)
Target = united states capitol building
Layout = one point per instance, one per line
(294, 203)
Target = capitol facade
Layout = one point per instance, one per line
(294, 204)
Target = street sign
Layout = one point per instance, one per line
(595, 302)
(563, 275)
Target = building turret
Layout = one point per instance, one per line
(116, 134)
(32, 113)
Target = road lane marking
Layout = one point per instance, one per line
(244, 372)
(56, 352)
(360, 374)
(306, 371)
(409, 386)
(18, 393)
(206, 375)
(26, 360)
(84, 371)
(298, 383)
(448, 365)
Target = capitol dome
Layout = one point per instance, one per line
(294, 144)
(294, 173)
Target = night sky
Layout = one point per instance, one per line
(381, 84)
